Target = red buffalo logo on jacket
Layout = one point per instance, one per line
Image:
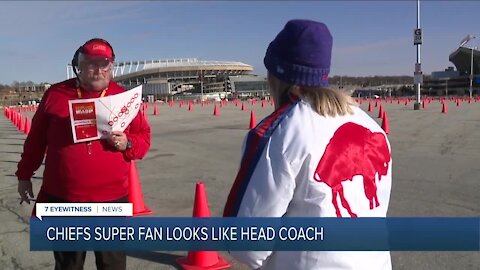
(353, 150)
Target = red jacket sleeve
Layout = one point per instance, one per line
(35, 144)
(139, 134)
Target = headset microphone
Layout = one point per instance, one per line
(82, 49)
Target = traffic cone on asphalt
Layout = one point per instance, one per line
(243, 106)
(21, 124)
(253, 121)
(380, 111)
(27, 126)
(385, 125)
(135, 195)
(155, 109)
(369, 106)
(198, 260)
(15, 118)
(444, 108)
(215, 110)
(19, 119)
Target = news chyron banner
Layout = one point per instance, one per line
(111, 227)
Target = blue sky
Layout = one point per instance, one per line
(38, 39)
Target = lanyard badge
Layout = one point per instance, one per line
(79, 95)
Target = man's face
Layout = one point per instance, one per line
(95, 74)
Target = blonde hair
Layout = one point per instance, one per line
(325, 101)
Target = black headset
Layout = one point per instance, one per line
(81, 50)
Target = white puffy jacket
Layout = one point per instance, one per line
(297, 163)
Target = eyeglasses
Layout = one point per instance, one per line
(94, 65)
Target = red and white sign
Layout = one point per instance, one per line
(95, 117)
(84, 121)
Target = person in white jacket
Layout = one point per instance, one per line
(316, 155)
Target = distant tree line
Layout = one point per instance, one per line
(5, 86)
(14, 93)
(335, 80)
(16, 85)
(370, 80)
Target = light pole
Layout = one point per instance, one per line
(464, 42)
(446, 88)
(201, 81)
(418, 76)
(471, 73)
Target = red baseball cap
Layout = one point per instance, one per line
(97, 49)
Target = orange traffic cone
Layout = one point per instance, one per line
(253, 121)
(197, 260)
(215, 110)
(243, 106)
(424, 105)
(27, 126)
(444, 108)
(21, 125)
(190, 107)
(385, 125)
(369, 106)
(155, 109)
(380, 111)
(135, 195)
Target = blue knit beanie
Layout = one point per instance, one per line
(301, 53)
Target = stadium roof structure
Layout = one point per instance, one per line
(462, 58)
(182, 68)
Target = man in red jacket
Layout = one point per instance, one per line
(95, 171)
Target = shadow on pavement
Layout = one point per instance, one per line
(158, 257)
